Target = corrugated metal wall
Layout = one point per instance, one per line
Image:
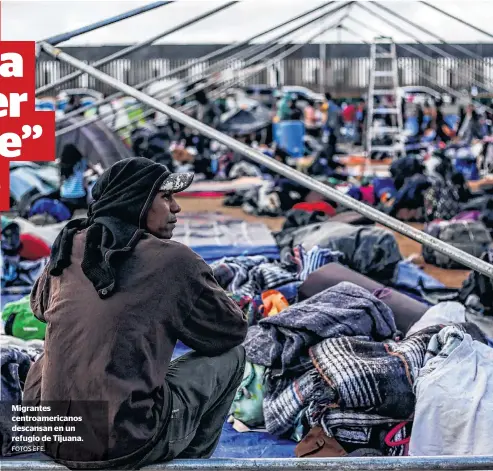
(344, 76)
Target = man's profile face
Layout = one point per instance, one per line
(161, 218)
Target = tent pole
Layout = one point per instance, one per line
(184, 67)
(129, 50)
(147, 113)
(458, 255)
(59, 38)
(460, 20)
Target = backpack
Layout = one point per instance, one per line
(441, 201)
(19, 321)
(470, 236)
(476, 290)
(10, 237)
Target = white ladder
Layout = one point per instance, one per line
(384, 82)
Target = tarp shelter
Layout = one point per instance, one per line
(95, 141)
(27, 176)
(245, 121)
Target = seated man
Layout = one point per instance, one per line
(117, 295)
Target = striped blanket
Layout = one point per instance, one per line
(356, 387)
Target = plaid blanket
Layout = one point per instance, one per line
(286, 398)
(376, 376)
(250, 276)
(281, 342)
(357, 386)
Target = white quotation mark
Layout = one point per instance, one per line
(36, 131)
(11, 143)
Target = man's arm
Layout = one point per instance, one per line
(215, 323)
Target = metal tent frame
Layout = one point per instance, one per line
(60, 38)
(455, 463)
(207, 57)
(136, 47)
(254, 52)
(439, 51)
(264, 65)
(412, 50)
(238, 78)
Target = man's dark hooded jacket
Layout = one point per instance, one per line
(106, 356)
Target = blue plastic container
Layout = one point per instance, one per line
(451, 120)
(468, 167)
(412, 125)
(289, 135)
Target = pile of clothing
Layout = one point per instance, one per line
(248, 278)
(24, 256)
(16, 358)
(348, 368)
(335, 364)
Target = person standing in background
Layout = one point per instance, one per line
(332, 125)
(73, 191)
(360, 122)
(310, 118)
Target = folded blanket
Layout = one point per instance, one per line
(281, 342)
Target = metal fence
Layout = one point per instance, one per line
(344, 76)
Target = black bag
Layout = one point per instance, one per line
(10, 238)
(480, 287)
(470, 236)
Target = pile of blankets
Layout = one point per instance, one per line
(337, 361)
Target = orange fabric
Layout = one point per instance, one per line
(274, 303)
